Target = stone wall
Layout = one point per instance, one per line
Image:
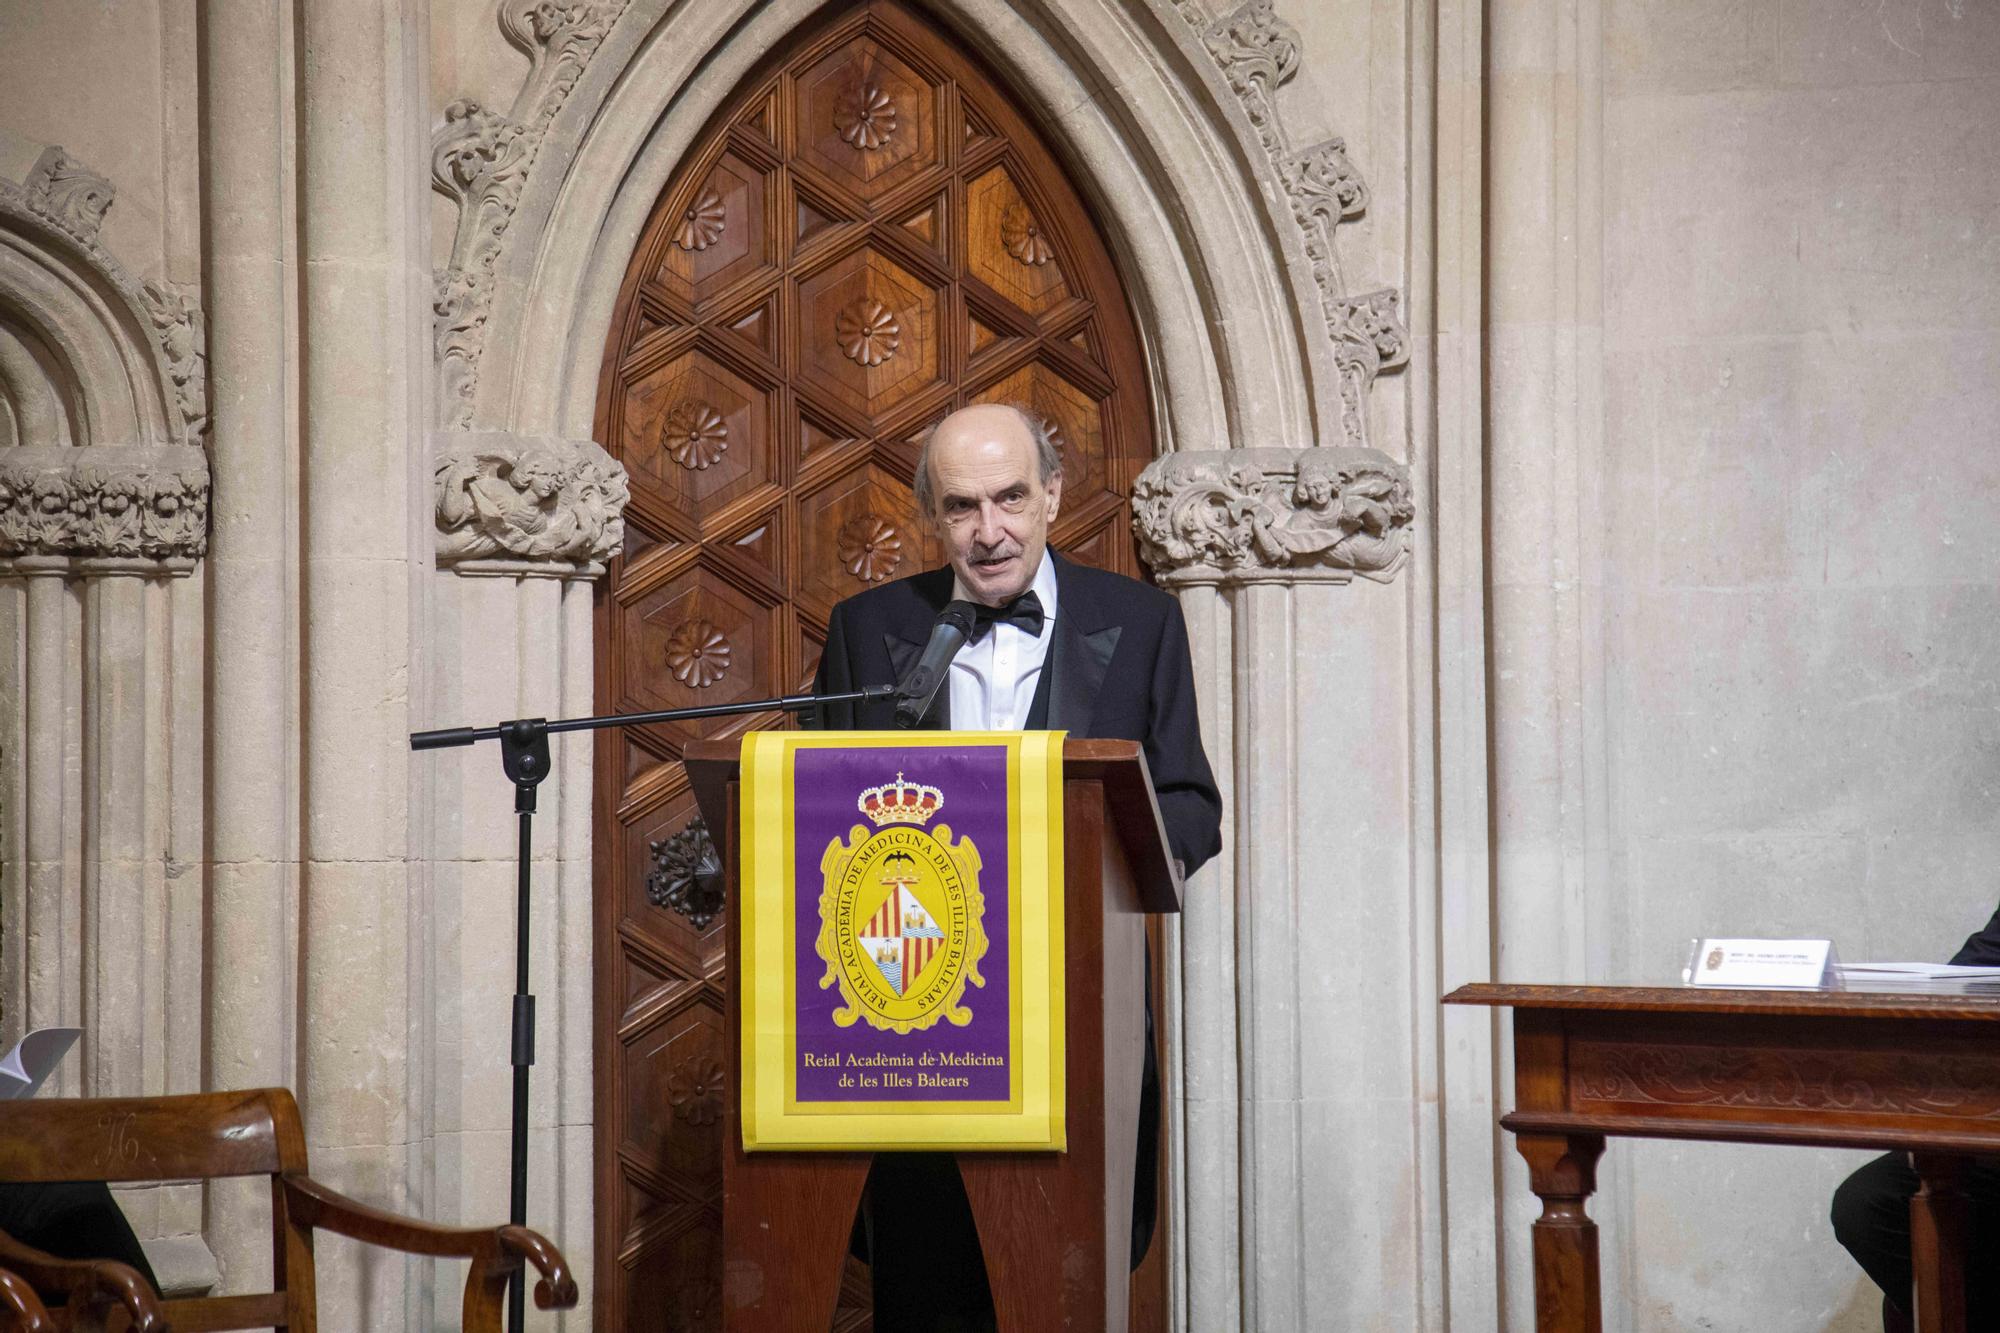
(1743, 534)
(1600, 384)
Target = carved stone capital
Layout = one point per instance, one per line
(1273, 516)
(526, 505)
(103, 509)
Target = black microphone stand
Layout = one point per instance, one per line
(524, 754)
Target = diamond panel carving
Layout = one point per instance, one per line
(1076, 417)
(868, 332)
(699, 640)
(856, 531)
(1007, 247)
(685, 1149)
(696, 433)
(722, 235)
(866, 119)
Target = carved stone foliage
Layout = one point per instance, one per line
(182, 332)
(105, 508)
(1258, 53)
(1273, 515)
(63, 198)
(481, 158)
(103, 472)
(68, 193)
(508, 505)
(687, 875)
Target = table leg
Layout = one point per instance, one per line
(1937, 1242)
(1562, 1170)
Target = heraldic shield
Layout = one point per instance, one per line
(902, 940)
(902, 921)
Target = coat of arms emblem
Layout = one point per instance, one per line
(901, 916)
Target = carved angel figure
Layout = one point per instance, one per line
(512, 503)
(1343, 514)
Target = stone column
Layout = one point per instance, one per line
(1298, 950)
(523, 525)
(1544, 336)
(365, 1017)
(253, 621)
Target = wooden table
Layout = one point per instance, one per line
(1835, 1069)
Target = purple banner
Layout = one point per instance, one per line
(901, 916)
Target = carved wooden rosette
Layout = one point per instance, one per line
(866, 237)
(1273, 516)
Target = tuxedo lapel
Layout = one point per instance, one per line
(1079, 657)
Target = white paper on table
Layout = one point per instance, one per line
(1927, 971)
(24, 1069)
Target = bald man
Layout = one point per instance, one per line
(1057, 646)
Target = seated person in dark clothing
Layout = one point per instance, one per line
(72, 1220)
(1871, 1209)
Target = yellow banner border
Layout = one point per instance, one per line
(1034, 1117)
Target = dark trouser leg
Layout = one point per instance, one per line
(1871, 1219)
(1146, 1165)
(924, 1248)
(72, 1220)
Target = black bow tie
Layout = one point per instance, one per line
(1023, 613)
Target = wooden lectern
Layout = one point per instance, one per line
(1056, 1228)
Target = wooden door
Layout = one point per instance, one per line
(868, 236)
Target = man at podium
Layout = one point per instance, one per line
(1056, 646)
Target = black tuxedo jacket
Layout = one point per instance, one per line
(1982, 948)
(1118, 669)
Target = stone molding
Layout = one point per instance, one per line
(181, 330)
(1258, 53)
(133, 359)
(103, 509)
(68, 194)
(533, 506)
(481, 158)
(1236, 516)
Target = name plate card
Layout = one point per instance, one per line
(1760, 963)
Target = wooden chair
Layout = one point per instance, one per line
(251, 1133)
(21, 1310)
(102, 1294)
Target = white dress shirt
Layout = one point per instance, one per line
(993, 681)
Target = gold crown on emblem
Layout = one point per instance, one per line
(900, 802)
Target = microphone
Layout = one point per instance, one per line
(914, 695)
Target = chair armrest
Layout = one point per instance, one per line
(21, 1306)
(495, 1251)
(92, 1287)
